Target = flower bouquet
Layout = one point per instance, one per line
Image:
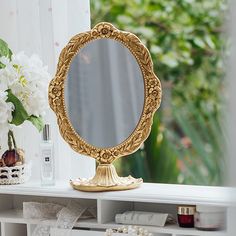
(23, 97)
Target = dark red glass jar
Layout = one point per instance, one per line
(186, 216)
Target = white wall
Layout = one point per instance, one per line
(44, 27)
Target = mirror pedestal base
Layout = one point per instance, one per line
(106, 179)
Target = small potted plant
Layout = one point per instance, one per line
(23, 97)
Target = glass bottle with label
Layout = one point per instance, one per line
(47, 158)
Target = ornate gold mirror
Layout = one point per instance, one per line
(105, 94)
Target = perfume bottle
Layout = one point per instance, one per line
(47, 158)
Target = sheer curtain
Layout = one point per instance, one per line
(44, 27)
(105, 93)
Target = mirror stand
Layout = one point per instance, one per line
(106, 179)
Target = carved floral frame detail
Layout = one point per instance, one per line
(152, 93)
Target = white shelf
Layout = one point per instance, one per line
(155, 193)
(149, 197)
(175, 229)
(16, 216)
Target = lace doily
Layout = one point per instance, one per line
(36, 210)
(66, 216)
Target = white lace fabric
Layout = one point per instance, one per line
(66, 216)
(37, 210)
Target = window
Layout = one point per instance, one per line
(186, 40)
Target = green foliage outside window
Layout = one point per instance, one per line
(187, 40)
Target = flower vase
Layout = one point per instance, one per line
(12, 163)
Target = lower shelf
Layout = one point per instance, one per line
(11, 229)
(16, 216)
(175, 229)
(56, 232)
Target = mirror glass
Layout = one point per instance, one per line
(104, 93)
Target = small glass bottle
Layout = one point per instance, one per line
(47, 158)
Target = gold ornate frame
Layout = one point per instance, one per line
(106, 177)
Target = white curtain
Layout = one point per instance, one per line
(44, 27)
(104, 93)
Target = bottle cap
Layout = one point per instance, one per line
(186, 210)
(46, 132)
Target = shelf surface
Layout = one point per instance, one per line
(148, 192)
(175, 229)
(16, 216)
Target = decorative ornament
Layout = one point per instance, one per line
(129, 230)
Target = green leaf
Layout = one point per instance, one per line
(169, 59)
(210, 42)
(9, 53)
(19, 114)
(145, 32)
(1, 65)
(4, 51)
(124, 19)
(37, 122)
(199, 42)
(156, 49)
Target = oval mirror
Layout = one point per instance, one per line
(104, 93)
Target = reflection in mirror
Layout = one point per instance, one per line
(104, 93)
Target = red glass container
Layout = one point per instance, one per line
(186, 216)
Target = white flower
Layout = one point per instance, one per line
(6, 109)
(28, 80)
(8, 75)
